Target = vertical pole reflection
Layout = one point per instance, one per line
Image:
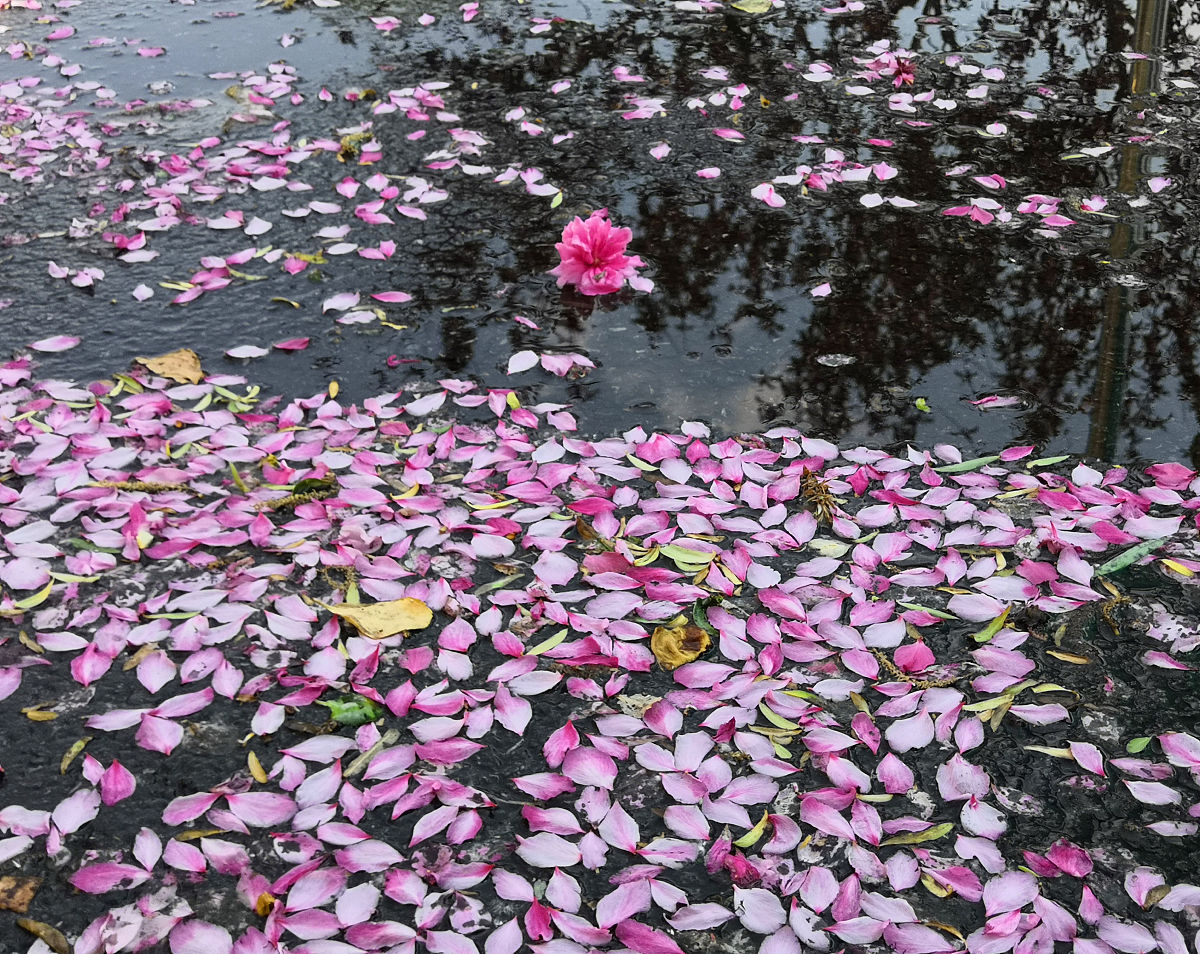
(1112, 366)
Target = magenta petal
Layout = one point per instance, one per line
(116, 783)
(1070, 858)
(108, 876)
(645, 940)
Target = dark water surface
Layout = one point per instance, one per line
(1089, 328)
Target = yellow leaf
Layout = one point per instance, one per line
(38, 714)
(1179, 568)
(753, 6)
(940, 890)
(181, 366)
(381, 620)
(195, 834)
(1047, 750)
(675, 645)
(754, 834)
(512, 400)
(16, 892)
(333, 389)
(264, 905)
(286, 301)
(1069, 657)
(257, 772)
(52, 937)
(946, 929)
(918, 837)
(71, 753)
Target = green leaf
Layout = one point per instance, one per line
(353, 710)
(1046, 461)
(1130, 556)
(1134, 746)
(754, 834)
(992, 628)
(546, 645)
(920, 608)
(557, 200)
(922, 405)
(967, 465)
(917, 837)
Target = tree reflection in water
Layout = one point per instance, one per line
(1092, 328)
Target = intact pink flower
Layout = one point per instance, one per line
(592, 257)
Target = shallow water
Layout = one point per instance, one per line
(1087, 326)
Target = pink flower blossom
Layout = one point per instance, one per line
(593, 259)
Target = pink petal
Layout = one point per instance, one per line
(57, 343)
(199, 937)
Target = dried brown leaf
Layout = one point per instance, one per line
(182, 366)
(16, 892)
(675, 645)
(52, 937)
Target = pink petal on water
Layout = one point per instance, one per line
(1087, 756)
(1125, 936)
(547, 850)
(897, 778)
(590, 766)
(108, 876)
(759, 910)
(57, 343)
(822, 817)
(340, 302)
(624, 902)
(187, 808)
(199, 937)
(506, 939)
(619, 829)
(1040, 715)
(292, 344)
(1010, 891)
(262, 809)
(246, 351)
(695, 917)
(1070, 858)
(642, 939)
(522, 361)
(915, 732)
(117, 783)
(1153, 793)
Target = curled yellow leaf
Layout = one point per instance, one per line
(675, 645)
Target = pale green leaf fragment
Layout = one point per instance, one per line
(992, 628)
(1130, 556)
(753, 6)
(1047, 461)
(557, 200)
(965, 466)
(754, 834)
(918, 607)
(547, 645)
(639, 463)
(1134, 746)
(918, 837)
